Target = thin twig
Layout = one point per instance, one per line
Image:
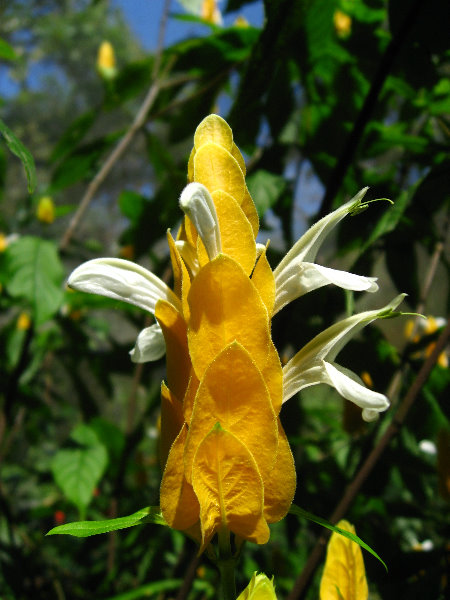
(188, 580)
(370, 462)
(123, 144)
(385, 66)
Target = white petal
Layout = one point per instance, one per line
(296, 380)
(306, 248)
(150, 345)
(351, 387)
(330, 342)
(196, 202)
(299, 278)
(122, 280)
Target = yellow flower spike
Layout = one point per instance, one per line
(236, 233)
(249, 208)
(229, 488)
(216, 130)
(236, 153)
(172, 420)
(264, 281)
(179, 504)
(259, 588)
(45, 211)
(23, 322)
(342, 24)
(106, 60)
(225, 307)
(279, 488)
(189, 397)
(272, 373)
(216, 169)
(175, 260)
(177, 355)
(235, 402)
(344, 576)
(182, 281)
(3, 242)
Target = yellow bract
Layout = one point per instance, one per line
(228, 464)
(344, 576)
(226, 479)
(235, 402)
(225, 307)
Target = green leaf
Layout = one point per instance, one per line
(17, 148)
(6, 51)
(77, 471)
(265, 189)
(150, 514)
(35, 274)
(150, 589)
(300, 512)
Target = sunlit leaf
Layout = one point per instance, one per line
(151, 514)
(35, 274)
(300, 512)
(77, 471)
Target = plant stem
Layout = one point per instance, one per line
(226, 564)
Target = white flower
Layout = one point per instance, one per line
(123, 280)
(297, 274)
(315, 363)
(197, 204)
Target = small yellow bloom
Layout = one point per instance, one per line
(127, 252)
(424, 327)
(23, 322)
(45, 211)
(210, 12)
(3, 242)
(259, 588)
(344, 576)
(106, 60)
(241, 21)
(342, 24)
(365, 376)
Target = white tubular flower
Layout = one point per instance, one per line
(197, 204)
(297, 274)
(315, 363)
(150, 345)
(123, 280)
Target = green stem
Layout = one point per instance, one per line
(226, 564)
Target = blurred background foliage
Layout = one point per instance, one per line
(328, 96)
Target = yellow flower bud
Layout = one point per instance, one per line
(344, 576)
(45, 211)
(127, 251)
(365, 376)
(106, 60)
(23, 322)
(342, 24)
(3, 242)
(259, 588)
(241, 21)
(210, 12)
